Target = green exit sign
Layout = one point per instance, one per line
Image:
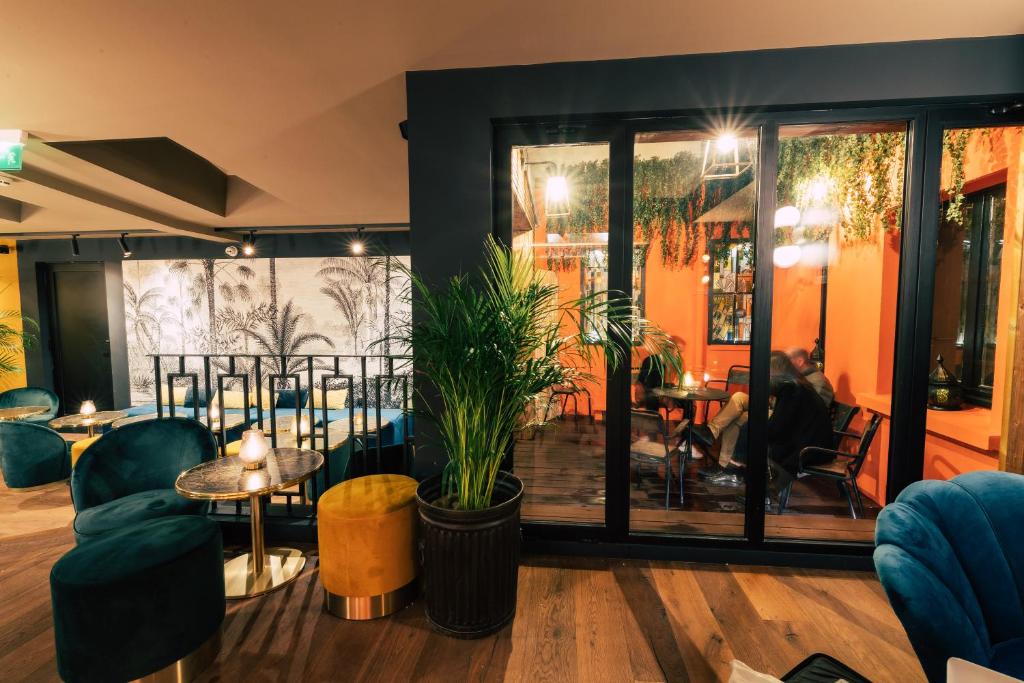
(10, 157)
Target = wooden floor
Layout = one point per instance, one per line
(578, 620)
(563, 467)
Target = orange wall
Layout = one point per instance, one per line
(10, 300)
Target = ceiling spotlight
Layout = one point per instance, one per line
(249, 245)
(75, 251)
(125, 251)
(356, 246)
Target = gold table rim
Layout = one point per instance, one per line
(120, 414)
(242, 495)
(24, 411)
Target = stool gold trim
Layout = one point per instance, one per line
(188, 667)
(371, 607)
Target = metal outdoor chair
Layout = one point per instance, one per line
(842, 416)
(652, 445)
(843, 467)
(738, 376)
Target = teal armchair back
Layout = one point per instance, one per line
(139, 457)
(32, 396)
(951, 558)
(32, 455)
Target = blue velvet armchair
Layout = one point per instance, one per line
(32, 455)
(128, 475)
(32, 396)
(951, 558)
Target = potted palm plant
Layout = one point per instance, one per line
(488, 346)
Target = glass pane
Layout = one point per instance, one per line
(560, 220)
(977, 264)
(694, 211)
(836, 271)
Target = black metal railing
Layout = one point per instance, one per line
(372, 382)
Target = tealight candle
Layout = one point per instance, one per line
(688, 379)
(303, 426)
(253, 451)
(707, 378)
(214, 416)
(88, 408)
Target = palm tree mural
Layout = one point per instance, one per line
(349, 302)
(205, 278)
(286, 335)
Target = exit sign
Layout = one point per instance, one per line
(10, 157)
(12, 144)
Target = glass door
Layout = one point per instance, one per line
(558, 204)
(694, 212)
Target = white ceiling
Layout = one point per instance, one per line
(301, 100)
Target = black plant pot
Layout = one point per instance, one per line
(470, 559)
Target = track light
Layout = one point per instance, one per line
(356, 246)
(249, 245)
(75, 251)
(123, 241)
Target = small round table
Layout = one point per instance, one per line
(690, 395)
(90, 422)
(264, 569)
(20, 412)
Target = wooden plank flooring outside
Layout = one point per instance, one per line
(562, 466)
(578, 620)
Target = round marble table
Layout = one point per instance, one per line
(263, 569)
(690, 395)
(20, 412)
(90, 422)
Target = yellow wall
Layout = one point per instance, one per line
(10, 300)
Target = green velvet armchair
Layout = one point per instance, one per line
(32, 455)
(128, 475)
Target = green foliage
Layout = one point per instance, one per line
(954, 142)
(863, 176)
(491, 344)
(14, 341)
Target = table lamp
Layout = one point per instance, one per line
(88, 408)
(253, 451)
(214, 415)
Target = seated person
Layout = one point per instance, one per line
(798, 418)
(802, 362)
(651, 376)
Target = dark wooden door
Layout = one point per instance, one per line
(80, 340)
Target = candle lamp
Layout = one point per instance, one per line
(253, 451)
(214, 417)
(88, 408)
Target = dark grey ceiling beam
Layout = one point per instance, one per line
(158, 163)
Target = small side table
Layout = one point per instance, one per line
(90, 422)
(262, 570)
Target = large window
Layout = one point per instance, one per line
(967, 271)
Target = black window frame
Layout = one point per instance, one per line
(978, 275)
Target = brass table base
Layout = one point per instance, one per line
(281, 566)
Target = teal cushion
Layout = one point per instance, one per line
(137, 507)
(32, 455)
(138, 599)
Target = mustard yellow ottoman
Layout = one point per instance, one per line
(367, 532)
(78, 447)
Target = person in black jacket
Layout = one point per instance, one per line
(798, 419)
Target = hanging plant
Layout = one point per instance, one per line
(954, 142)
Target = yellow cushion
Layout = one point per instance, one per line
(232, 448)
(78, 447)
(367, 533)
(179, 394)
(335, 398)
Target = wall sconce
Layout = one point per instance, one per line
(556, 196)
(787, 255)
(253, 451)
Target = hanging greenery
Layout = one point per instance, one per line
(861, 174)
(954, 142)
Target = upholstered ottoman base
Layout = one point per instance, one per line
(372, 607)
(188, 667)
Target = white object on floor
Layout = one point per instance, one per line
(741, 673)
(961, 671)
